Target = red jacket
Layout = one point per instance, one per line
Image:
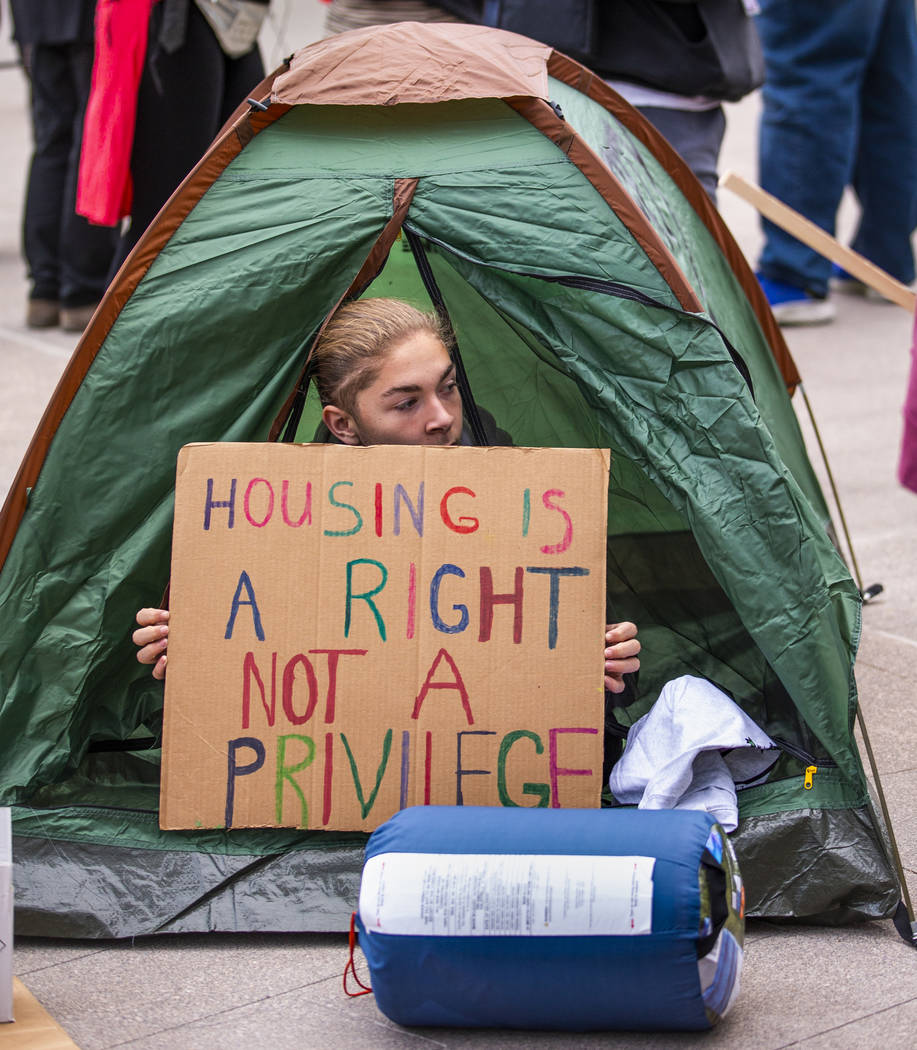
(104, 190)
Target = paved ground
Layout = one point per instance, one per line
(805, 987)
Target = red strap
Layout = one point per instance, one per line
(350, 968)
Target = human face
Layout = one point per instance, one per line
(414, 400)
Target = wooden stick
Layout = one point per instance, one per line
(34, 1028)
(815, 237)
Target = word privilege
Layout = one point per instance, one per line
(451, 759)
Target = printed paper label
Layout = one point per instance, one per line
(506, 895)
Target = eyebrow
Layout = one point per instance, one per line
(412, 388)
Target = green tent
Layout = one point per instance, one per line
(598, 301)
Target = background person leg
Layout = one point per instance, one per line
(86, 251)
(816, 56)
(52, 121)
(885, 172)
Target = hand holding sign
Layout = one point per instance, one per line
(621, 647)
(153, 638)
(621, 654)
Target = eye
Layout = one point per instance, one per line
(450, 387)
(406, 405)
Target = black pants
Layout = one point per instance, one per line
(184, 99)
(68, 259)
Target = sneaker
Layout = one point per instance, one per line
(42, 313)
(791, 305)
(75, 318)
(847, 284)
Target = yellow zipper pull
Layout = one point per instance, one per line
(810, 772)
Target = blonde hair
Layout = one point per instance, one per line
(349, 354)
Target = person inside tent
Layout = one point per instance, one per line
(385, 377)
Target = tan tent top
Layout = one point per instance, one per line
(444, 60)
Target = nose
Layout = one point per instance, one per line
(440, 418)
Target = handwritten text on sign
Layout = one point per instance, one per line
(355, 630)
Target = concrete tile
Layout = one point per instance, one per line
(886, 671)
(14, 115)
(293, 1021)
(900, 792)
(127, 990)
(202, 992)
(31, 368)
(859, 417)
(739, 154)
(808, 974)
(893, 615)
(32, 954)
(896, 1024)
(309, 1022)
(793, 979)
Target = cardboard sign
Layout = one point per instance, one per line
(356, 630)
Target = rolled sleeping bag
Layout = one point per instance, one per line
(586, 919)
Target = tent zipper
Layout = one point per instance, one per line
(605, 287)
(85, 805)
(811, 763)
(623, 291)
(806, 757)
(469, 405)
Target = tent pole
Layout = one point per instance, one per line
(834, 492)
(861, 721)
(896, 856)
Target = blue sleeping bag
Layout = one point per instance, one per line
(552, 919)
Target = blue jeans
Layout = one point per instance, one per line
(840, 108)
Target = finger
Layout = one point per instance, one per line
(149, 617)
(159, 671)
(614, 684)
(150, 635)
(149, 654)
(620, 632)
(622, 650)
(619, 667)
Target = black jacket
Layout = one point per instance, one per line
(708, 47)
(52, 21)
